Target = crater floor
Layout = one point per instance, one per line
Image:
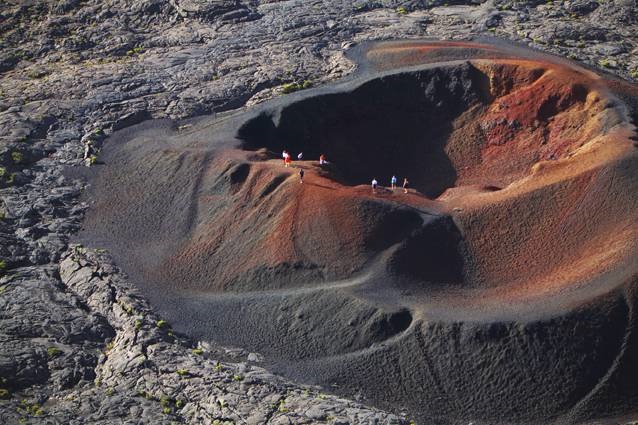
(500, 289)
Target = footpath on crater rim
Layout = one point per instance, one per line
(80, 344)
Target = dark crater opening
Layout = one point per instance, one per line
(393, 125)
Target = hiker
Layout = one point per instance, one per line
(301, 173)
(374, 185)
(322, 159)
(393, 182)
(405, 185)
(300, 156)
(285, 155)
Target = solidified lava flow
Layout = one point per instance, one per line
(500, 289)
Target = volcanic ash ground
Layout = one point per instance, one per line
(500, 289)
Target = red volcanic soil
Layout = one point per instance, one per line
(509, 269)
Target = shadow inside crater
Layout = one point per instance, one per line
(393, 125)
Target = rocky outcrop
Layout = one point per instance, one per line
(224, 10)
(113, 358)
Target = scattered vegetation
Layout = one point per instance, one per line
(222, 403)
(35, 74)
(238, 378)
(137, 50)
(17, 157)
(53, 352)
(4, 394)
(127, 308)
(293, 87)
(634, 73)
(161, 324)
(165, 401)
(198, 351)
(138, 324)
(168, 404)
(605, 63)
(110, 391)
(218, 366)
(3, 266)
(401, 10)
(282, 407)
(182, 372)
(33, 409)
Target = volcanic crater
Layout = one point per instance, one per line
(500, 289)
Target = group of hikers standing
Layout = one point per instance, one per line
(322, 161)
(288, 161)
(393, 184)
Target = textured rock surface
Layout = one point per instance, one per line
(145, 372)
(74, 70)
